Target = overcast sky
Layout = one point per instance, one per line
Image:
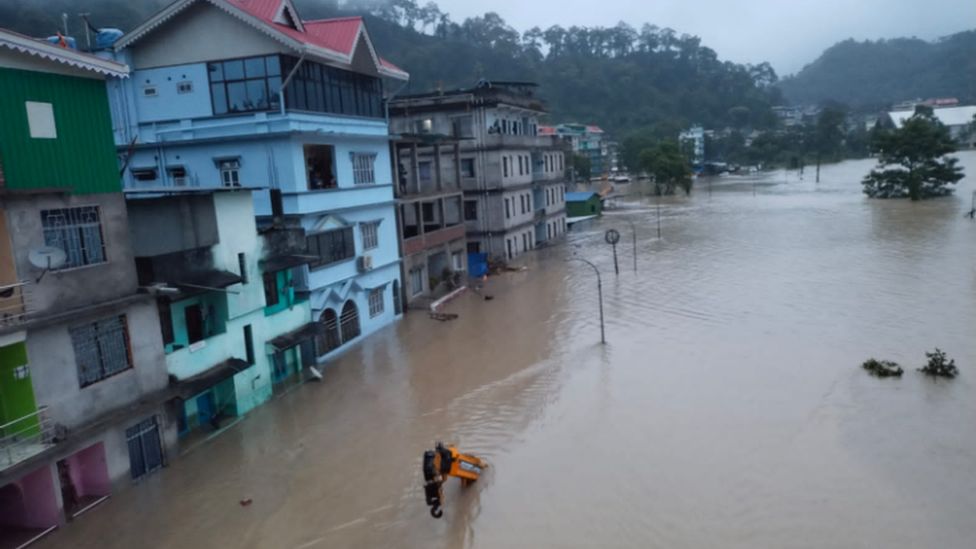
(787, 33)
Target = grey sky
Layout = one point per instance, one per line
(787, 33)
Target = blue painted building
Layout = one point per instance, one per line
(244, 93)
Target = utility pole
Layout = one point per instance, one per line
(633, 229)
(659, 217)
(64, 23)
(599, 292)
(84, 17)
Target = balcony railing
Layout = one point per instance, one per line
(15, 303)
(540, 214)
(25, 437)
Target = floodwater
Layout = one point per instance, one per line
(727, 409)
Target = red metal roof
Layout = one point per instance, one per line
(338, 35)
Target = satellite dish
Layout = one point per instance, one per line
(47, 257)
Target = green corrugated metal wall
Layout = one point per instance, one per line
(82, 157)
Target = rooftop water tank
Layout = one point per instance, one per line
(106, 38)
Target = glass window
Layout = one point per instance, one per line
(375, 302)
(424, 170)
(271, 296)
(320, 167)
(236, 97)
(370, 235)
(216, 71)
(417, 281)
(101, 349)
(234, 70)
(257, 95)
(467, 167)
(470, 210)
(362, 168)
(331, 246)
(77, 231)
(254, 67)
(273, 65)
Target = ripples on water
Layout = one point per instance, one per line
(728, 408)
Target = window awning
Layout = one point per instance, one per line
(187, 388)
(281, 262)
(294, 337)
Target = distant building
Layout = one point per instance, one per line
(959, 121)
(693, 140)
(512, 177)
(586, 140)
(430, 219)
(581, 204)
(82, 374)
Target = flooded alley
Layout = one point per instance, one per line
(727, 409)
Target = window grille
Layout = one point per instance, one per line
(375, 302)
(370, 234)
(362, 168)
(78, 232)
(102, 349)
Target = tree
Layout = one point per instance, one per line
(670, 168)
(913, 160)
(581, 163)
(827, 134)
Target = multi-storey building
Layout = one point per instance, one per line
(82, 371)
(221, 293)
(244, 93)
(429, 202)
(513, 178)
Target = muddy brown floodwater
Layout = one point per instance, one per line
(728, 408)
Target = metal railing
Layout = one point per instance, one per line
(14, 303)
(25, 437)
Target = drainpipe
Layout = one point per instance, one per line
(281, 90)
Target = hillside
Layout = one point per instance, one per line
(874, 74)
(621, 78)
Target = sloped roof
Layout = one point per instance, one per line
(334, 40)
(66, 56)
(580, 196)
(949, 116)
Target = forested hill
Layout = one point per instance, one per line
(622, 78)
(875, 74)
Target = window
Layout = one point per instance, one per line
(230, 173)
(470, 210)
(320, 167)
(244, 85)
(424, 126)
(40, 120)
(417, 281)
(504, 166)
(522, 202)
(78, 232)
(328, 337)
(521, 167)
(177, 174)
(331, 246)
(463, 126)
(370, 235)
(249, 344)
(242, 267)
(102, 349)
(144, 174)
(349, 321)
(508, 245)
(320, 88)
(150, 91)
(184, 87)
(467, 167)
(508, 212)
(457, 260)
(425, 170)
(271, 296)
(362, 168)
(375, 302)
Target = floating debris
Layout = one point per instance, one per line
(443, 316)
(939, 365)
(883, 368)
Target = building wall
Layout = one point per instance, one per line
(61, 290)
(81, 157)
(183, 39)
(54, 368)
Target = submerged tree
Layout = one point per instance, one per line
(669, 167)
(912, 160)
(581, 163)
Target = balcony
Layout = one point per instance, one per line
(25, 437)
(15, 304)
(540, 214)
(431, 239)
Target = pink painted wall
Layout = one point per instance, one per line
(30, 502)
(89, 472)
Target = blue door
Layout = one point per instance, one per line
(205, 408)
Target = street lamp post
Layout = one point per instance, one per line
(612, 237)
(633, 229)
(599, 292)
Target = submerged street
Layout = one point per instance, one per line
(728, 407)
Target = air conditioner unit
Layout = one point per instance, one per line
(365, 263)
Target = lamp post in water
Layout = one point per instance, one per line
(633, 229)
(612, 237)
(599, 293)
